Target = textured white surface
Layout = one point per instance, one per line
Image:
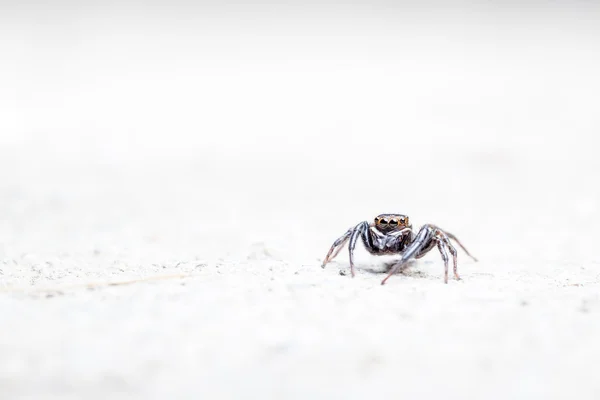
(209, 160)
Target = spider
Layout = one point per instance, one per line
(393, 234)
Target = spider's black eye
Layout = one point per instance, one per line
(394, 222)
(402, 220)
(383, 221)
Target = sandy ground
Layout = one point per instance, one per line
(170, 184)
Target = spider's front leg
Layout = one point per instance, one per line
(352, 234)
(339, 243)
(360, 229)
(421, 242)
(428, 237)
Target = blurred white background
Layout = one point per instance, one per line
(136, 134)
(275, 102)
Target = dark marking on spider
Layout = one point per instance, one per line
(393, 234)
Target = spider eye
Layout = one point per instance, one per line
(394, 222)
(383, 221)
(402, 220)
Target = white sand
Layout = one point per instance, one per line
(208, 159)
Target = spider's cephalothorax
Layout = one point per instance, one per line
(393, 234)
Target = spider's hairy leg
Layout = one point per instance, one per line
(444, 238)
(421, 241)
(339, 243)
(451, 236)
(425, 249)
(442, 248)
(360, 229)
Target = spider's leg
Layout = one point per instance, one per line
(339, 243)
(340, 247)
(426, 249)
(442, 248)
(451, 236)
(444, 238)
(421, 241)
(360, 229)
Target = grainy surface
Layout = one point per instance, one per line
(163, 218)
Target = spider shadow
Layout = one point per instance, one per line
(387, 266)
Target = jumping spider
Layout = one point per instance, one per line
(393, 234)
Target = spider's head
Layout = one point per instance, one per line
(391, 222)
